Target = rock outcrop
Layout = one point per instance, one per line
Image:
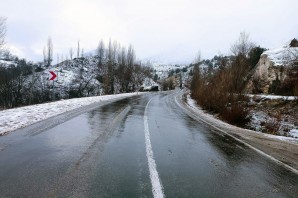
(272, 70)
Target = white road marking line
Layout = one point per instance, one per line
(157, 188)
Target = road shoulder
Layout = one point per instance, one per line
(282, 149)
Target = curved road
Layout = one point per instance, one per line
(144, 146)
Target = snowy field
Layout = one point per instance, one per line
(16, 118)
(192, 103)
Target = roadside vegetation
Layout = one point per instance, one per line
(222, 91)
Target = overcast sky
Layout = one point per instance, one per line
(164, 30)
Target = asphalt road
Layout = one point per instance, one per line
(144, 146)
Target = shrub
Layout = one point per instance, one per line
(221, 92)
(272, 125)
(236, 114)
(168, 84)
(288, 86)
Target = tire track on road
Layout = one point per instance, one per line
(75, 181)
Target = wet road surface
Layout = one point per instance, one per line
(144, 146)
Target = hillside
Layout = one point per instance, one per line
(24, 83)
(79, 73)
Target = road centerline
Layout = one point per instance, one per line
(157, 188)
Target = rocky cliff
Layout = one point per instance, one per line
(273, 68)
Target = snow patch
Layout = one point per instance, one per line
(273, 97)
(16, 118)
(294, 133)
(281, 55)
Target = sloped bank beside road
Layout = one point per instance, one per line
(283, 150)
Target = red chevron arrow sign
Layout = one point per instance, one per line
(53, 75)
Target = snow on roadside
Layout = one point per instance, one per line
(273, 97)
(208, 117)
(12, 119)
(294, 133)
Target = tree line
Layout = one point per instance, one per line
(118, 69)
(23, 82)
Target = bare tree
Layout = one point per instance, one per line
(48, 52)
(78, 49)
(243, 45)
(44, 55)
(122, 69)
(82, 52)
(101, 51)
(123, 56)
(108, 70)
(71, 53)
(2, 33)
(57, 58)
(130, 56)
(197, 59)
(115, 52)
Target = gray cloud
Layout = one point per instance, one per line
(167, 30)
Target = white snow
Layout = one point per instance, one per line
(257, 117)
(281, 55)
(163, 70)
(6, 63)
(16, 118)
(149, 82)
(273, 97)
(294, 133)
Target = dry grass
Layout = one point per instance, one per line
(272, 125)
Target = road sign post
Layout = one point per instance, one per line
(53, 79)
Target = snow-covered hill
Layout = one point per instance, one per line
(72, 74)
(281, 56)
(163, 70)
